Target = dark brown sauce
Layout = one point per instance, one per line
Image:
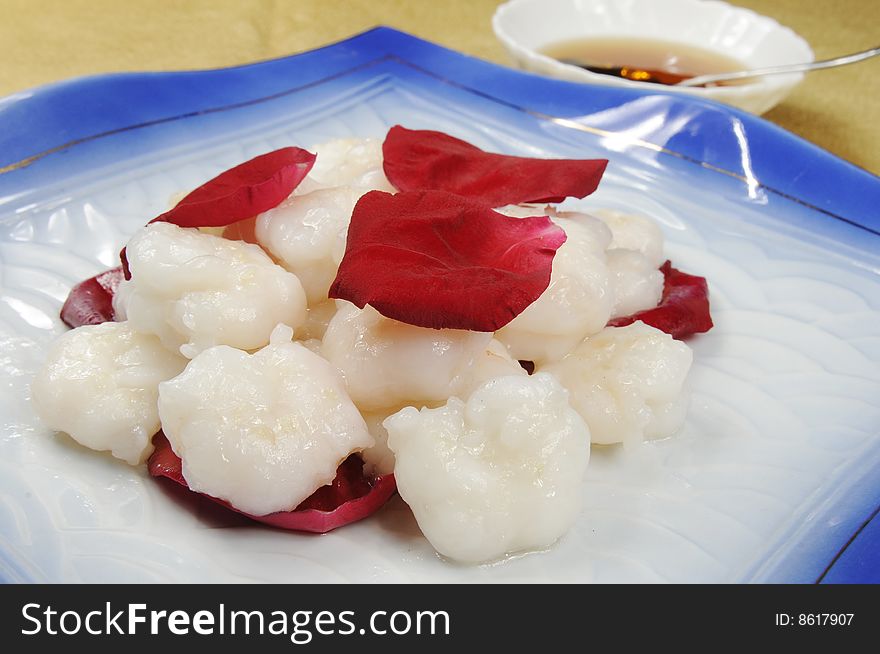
(642, 60)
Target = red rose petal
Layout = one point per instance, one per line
(239, 193)
(416, 160)
(683, 309)
(349, 498)
(91, 302)
(244, 191)
(434, 259)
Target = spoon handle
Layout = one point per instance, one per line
(701, 80)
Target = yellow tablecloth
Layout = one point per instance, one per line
(46, 40)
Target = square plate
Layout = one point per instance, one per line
(776, 475)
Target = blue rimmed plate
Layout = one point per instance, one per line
(776, 475)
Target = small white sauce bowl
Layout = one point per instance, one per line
(525, 27)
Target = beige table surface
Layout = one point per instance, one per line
(43, 41)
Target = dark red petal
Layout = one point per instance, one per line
(417, 160)
(91, 302)
(242, 192)
(239, 193)
(349, 498)
(439, 260)
(683, 309)
(123, 258)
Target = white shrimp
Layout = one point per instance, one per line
(636, 284)
(627, 383)
(196, 290)
(494, 362)
(634, 232)
(307, 233)
(347, 162)
(578, 301)
(100, 385)
(497, 474)
(262, 431)
(388, 363)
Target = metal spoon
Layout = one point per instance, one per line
(702, 80)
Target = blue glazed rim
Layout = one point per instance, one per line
(43, 131)
(101, 107)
